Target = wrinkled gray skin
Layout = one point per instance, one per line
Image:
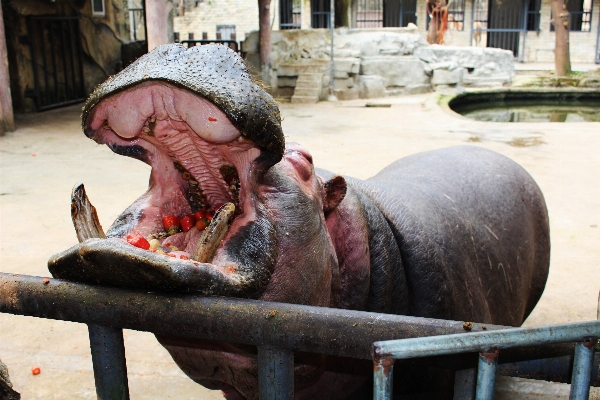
(459, 233)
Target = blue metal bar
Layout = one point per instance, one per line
(275, 373)
(108, 357)
(383, 379)
(582, 370)
(486, 375)
(464, 384)
(482, 341)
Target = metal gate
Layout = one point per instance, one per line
(57, 61)
(385, 13)
(503, 24)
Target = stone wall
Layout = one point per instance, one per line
(377, 63)
(101, 38)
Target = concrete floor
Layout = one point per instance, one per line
(48, 154)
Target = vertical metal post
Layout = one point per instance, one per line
(108, 357)
(383, 377)
(464, 384)
(472, 21)
(331, 96)
(582, 370)
(486, 375)
(275, 373)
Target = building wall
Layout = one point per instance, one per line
(539, 46)
(209, 13)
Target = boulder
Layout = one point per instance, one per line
(396, 71)
(371, 86)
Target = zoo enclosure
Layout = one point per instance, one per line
(278, 330)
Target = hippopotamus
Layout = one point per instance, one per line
(459, 233)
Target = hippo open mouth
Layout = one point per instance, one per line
(200, 161)
(208, 131)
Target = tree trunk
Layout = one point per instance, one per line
(7, 122)
(264, 24)
(560, 20)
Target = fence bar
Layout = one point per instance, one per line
(486, 375)
(482, 341)
(108, 357)
(275, 373)
(465, 381)
(383, 376)
(582, 370)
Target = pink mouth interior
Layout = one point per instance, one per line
(199, 159)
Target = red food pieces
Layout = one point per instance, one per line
(198, 215)
(171, 224)
(36, 370)
(202, 224)
(187, 222)
(137, 240)
(211, 119)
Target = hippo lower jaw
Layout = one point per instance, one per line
(199, 162)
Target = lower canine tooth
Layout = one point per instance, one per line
(213, 234)
(85, 219)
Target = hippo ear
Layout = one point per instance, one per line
(334, 191)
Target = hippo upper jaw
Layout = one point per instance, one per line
(199, 159)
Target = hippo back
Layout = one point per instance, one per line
(472, 228)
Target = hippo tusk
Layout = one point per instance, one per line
(213, 234)
(85, 219)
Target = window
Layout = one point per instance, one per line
(290, 13)
(580, 16)
(456, 16)
(98, 8)
(226, 32)
(533, 15)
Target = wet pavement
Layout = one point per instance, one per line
(48, 154)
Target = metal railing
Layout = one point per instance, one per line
(488, 344)
(276, 329)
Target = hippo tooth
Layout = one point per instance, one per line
(213, 234)
(85, 219)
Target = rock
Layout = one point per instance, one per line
(590, 82)
(348, 94)
(371, 86)
(447, 77)
(342, 84)
(396, 71)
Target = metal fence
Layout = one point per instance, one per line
(501, 24)
(384, 13)
(276, 329)
(56, 60)
(489, 344)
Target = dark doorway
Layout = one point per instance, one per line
(505, 24)
(399, 12)
(320, 14)
(57, 61)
